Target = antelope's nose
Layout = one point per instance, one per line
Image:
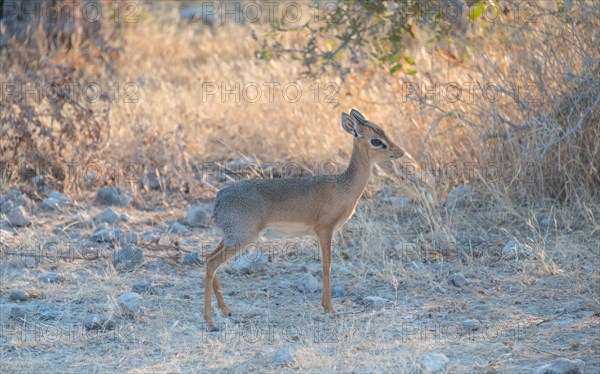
(397, 153)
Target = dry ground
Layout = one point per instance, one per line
(530, 310)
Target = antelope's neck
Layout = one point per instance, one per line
(357, 174)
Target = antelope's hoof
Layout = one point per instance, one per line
(225, 310)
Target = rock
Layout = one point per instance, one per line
(6, 206)
(17, 313)
(151, 182)
(192, 259)
(113, 196)
(283, 357)
(18, 217)
(107, 235)
(124, 217)
(29, 262)
(98, 322)
(78, 221)
(128, 258)
(471, 324)
(337, 292)
(48, 315)
(5, 311)
(377, 302)
(128, 238)
(143, 286)
(308, 283)
(108, 216)
(102, 226)
(58, 196)
(55, 200)
(130, 303)
(151, 236)
(198, 215)
(561, 366)
(458, 280)
(23, 201)
(457, 197)
(51, 277)
(178, 228)
(18, 295)
(13, 194)
(439, 289)
(434, 362)
(248, 263)
(516, 250)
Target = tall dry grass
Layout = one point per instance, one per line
(537, 143)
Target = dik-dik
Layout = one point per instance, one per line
(315, 205)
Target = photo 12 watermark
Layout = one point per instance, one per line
(268, 92)
(468, 92)
(69, 11)
(72, 92)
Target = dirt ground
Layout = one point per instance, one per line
(396, 301)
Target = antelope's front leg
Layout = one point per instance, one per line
(325, 245)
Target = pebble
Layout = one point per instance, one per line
(457, 197)
(130, 303)
(337, 292)
(434, 362)
(458, 280)
(248, 263)
(128, 258)
(113, 196)
(55, 200)
(18, 295)
(198, 215)
(107, 235)
(50, 277)
(514, 250)
(192, 259)
(284, 357)
(561, 366)
(98, 322)
(471, 324)
(18, 217)
(308, 283)
(178, 228)
(108, 216)
(143, 286)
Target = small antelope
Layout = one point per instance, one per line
(315, 205)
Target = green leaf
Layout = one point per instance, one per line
(476, 12)
(411, 72)
(395, 68)
(409, 60)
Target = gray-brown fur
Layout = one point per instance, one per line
(316, 205)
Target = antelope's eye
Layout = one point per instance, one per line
(376, 142)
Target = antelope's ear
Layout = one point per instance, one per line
(349, 124)
(359, 117)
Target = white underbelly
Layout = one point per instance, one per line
(287, 229)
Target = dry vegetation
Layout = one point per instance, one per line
(532, 154)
